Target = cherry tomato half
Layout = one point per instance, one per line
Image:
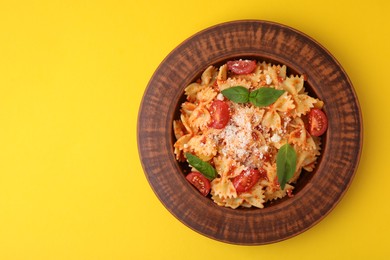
(247, 179)
(200, 182)
(317, 122)
(241, 66)
(220, 116)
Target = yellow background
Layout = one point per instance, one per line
(72, 75)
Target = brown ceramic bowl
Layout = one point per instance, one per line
(316, 193)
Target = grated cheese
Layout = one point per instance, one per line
(236, 138)
(268, 79)
(220, 97)
(275, 138)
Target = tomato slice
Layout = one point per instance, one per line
(317, 122)
(241, 66)
(247, 179)
(200, 182)
(220, 115)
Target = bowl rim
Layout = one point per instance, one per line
(145, 154)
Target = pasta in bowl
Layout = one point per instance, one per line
(252, 124)
(200, 114)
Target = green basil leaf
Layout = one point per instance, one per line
(286, 161)
(203, 167)
(263, 97)
(236, 94)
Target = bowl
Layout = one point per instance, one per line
(316, 193)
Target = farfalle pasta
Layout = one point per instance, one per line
(240, 139)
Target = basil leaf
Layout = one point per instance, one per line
(263, 97)
(236, 94)
(286, 161)
(203, 167)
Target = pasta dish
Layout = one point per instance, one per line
(247, 131)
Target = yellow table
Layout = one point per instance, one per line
(72, 75)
